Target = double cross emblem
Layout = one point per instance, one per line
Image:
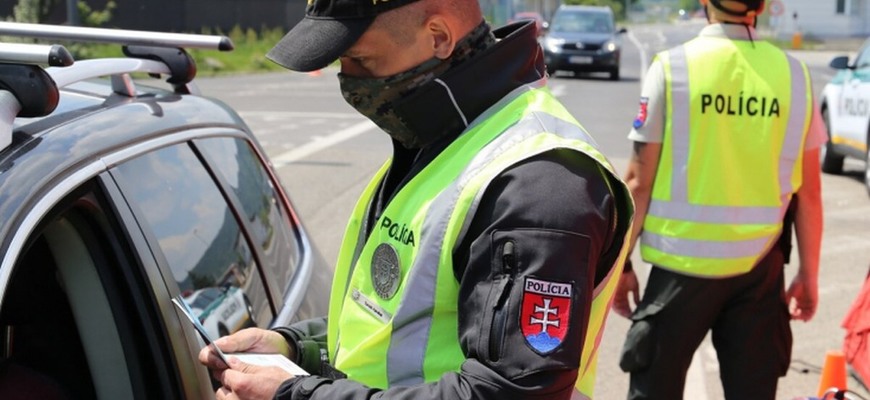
(547, 311)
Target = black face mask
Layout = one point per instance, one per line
(379, 98)
(376, 97)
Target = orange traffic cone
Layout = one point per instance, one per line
(833, 372)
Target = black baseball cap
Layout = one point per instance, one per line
(329, 28)
(752, 6)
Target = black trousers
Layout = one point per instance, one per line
(749, 320)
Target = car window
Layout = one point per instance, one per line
(863, 59)
(582, 22)
(198, 236)
(270, 222)
(72, 319)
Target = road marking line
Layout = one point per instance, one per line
(696, 386)
(322, 143)
(643, 55)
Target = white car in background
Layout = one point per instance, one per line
(846, 110)
(221, 310)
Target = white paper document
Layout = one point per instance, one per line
(274, 360)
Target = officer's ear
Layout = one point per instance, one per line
(443, 38)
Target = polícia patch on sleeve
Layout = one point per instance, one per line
(640, 119)
(545, 313)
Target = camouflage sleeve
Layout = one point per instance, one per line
(308, 337)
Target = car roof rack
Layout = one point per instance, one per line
(166, 48)
(26, 90)
(154, 53)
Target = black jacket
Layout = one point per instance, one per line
(559, 211)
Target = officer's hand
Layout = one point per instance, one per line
(627, 287)
(250, 382)
(802, 296)
(251, 340)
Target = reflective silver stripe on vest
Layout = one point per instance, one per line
(679, 124)
(715, 214)
(798, 111)
(678, 208)
(707, 249)
(413, 319)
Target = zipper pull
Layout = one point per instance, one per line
(507, 258)
(506, 279)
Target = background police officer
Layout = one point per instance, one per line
(727, 138)
(481, 260)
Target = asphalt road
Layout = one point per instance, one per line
(325, 153)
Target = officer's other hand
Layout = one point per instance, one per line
(251, 340)
(802, 296)
(249, 382)
(627, 290)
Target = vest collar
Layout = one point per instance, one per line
(468, 89)
(729, 31)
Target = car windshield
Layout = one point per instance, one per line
(582, 22)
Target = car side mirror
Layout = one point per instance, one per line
(622, 30)
(841, 62)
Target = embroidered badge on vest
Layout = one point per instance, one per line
(640, 119)
(545, 313)
(385, 271)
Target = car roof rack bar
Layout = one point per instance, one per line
(20, 53)
(117, 36)
(87, 69)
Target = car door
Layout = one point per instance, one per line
(87, 280)
(855, 101)
(85, 311)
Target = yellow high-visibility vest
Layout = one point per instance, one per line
(737, 115)
(393, 308)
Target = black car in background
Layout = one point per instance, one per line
(583, 39)
(116, 197)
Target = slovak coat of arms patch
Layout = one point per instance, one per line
(545, 313)
(642, 113)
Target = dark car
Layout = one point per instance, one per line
(116, 197)
(583, 39)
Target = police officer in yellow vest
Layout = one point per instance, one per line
(481, 260)
(726, 155)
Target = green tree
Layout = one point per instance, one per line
(95, 18)
(690, 5)
(32, 11)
